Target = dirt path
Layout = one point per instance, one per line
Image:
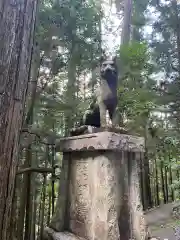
(161, 223)
(165, 233)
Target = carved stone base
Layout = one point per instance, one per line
(50, 234)
(99, 197)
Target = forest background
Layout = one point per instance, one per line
(64, 72)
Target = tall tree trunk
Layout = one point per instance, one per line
(28, 187)
(156, 182)
(177, 19)
(162, 181)
(148, 200)
(14, 215)
(125, 38)
(34, 210)
(25, 194)
(166, 182)
(170, 175)
(43, 206)
(70, 93)
(17, 20)
(126, 30)
(44, 196)
(142, 182)
(49, 207)
(22, 207)
(39, 215)
(147, 182)
(53, 178)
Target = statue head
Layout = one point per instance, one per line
(108, 67)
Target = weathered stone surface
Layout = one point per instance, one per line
(138, 224)
(50, 234)
(95, 195)
(97, 166)
(101, 141)
(93, 206)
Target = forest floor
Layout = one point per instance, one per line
(161, 221)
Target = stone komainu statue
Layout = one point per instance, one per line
(104, 100)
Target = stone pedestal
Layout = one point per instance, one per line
(99, 196)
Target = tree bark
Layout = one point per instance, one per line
(142, 187)
(171, 177)
(17, 20)
(146, 170)
(70, 93)
(126, 30)
(176, 15)
(26, 183)
(162, 181)
(156, 182)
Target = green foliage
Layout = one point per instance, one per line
(135, 54)
(136, 95)
(74, 26)
(68, 36)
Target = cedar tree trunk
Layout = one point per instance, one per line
(17, 20)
